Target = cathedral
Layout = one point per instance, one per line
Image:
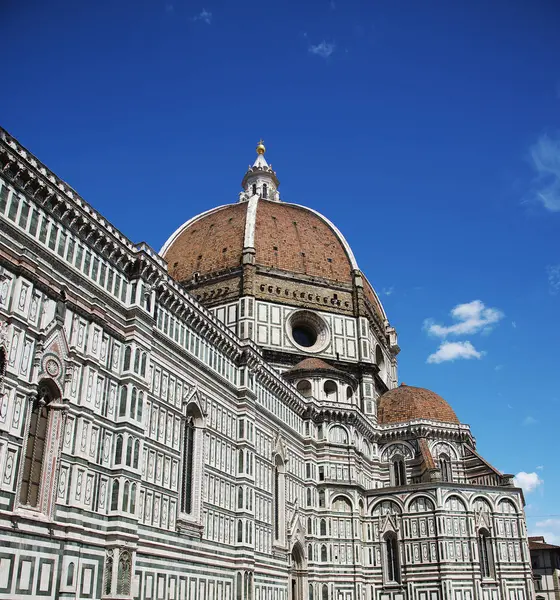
(222, 419)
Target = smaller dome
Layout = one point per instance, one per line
(314, 365)
(407, 403)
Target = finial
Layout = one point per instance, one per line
(260, 147)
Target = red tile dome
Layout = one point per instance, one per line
(407, 403)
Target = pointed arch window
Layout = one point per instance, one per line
(118, 450)
(392, 568)
(188, 460)
(129, 451)
(136, 453)
(279, 499)
(122, 404)
(115, 496)
(2, 364)
(323, 527)
(140, 406)
(126, 495)
(445, 468)
(32, 473)
(127, 358)
(325, 592)
(133, 400)
(486, 555)
(254, 188)
(399, 471)
(324, 553)
(265, 190)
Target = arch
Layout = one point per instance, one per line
(37, 441)
(420, 503)
(325, 592)
(338, 435)
(304, 388)
(403, 448)
(443, 447)
(143, 366)
(309, 552)
(366, 449)
(136, 454)
(118, 449)
(349, 393)
(133, 400)
(125, 496)
(191, 441)
(140, 406)
(480, 504)
(330, 388)
(323, 527)
(387, 507)
(445, 468)
(341, 504)
(485, 553)
(398, 470)
(132, 508)
(122, 403)
(324, 556)
(129, 445)
(391, 556)
(115, 495)
(279, 498)
(454, 503)
(3, 363)
(507, 506)
(127, 358)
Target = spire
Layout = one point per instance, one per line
(260, 179)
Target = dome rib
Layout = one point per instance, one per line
(407, 403)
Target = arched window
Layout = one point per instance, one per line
(323, 527)
(124, 573)
(392, 570)
(2, 363)
(126, 493)
(137, 355)
(132, 509)
(133, 399)
(240, 461)
(239, 586)
(140, 406)
(129, 451)
(136, 453)
(341, 504)
(308, 492)
(254, 188)
(304, 388)
(279, 499)
(188, 463)
(127, 357)
(240, 497)
(239, 531)
(399, 471)
(323, 553)
(310, 591)
(309, 526)
(70, 573)
(310, 552)
(321, 498)
(115, 496)
(349, 393)
(330, 388)
(143, 367)
(35, 448)
(325, 592)
(122, 405)
(265, 191)
(445, 467)
(118, 450)
(486, 556)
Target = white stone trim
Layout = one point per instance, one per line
(251, 222)
(180, 229)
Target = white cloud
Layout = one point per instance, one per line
(205, 16)
(530, 421)
(540, 468)
(324, 49)
(471, 317)
(498, 367)
(449, 351)
(528, 482)
(553, 279)
(388, 291)
(548, 528)
(514, 324)
(545, 156)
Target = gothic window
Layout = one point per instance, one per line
(239, 586)
(35, 448)
(310, 552)
(323, 527)
(123, 578)
(322, 499)
(323, 553)
(240, 461)
(133, 400)
(118, 450)
(338, 435)
(309, 503)
(70, 573)
(132, 508)
(127, 358)
(321, 473)
(341, 504)
(445, 467)
(392, 570)
(310, 591)
(239, 531)
(122, 405)
(254, 188)
(144, 359)
(331, 389)
(2, 364)
(108, 577)
(188, 463)
(140, 406)
(279, 499)
(309, 525)
(325, 592)
(265, 190)
(137, 355)
(129, 452)
(486, 556)
(115, 496)
(240, 497)
(126, 494)
(399, 471)
(136, 453)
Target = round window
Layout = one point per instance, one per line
(308, 331)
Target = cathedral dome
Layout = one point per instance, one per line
(407, 403)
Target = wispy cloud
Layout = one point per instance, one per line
(514, 324)
(498, 367)
(540, 468)
(529, 421)
(553, 273)
(205, 16)
(450, 351)
(324, 49)
(388, 291)
(528, 482)
(548, 528)
(545, 158)
(471, 317)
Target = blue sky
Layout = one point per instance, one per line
(429, 132)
